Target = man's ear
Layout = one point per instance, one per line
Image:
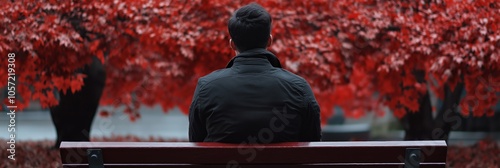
(270, 41)
(232, 45)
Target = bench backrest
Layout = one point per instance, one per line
(296, 154)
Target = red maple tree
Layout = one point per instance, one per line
(360, 55)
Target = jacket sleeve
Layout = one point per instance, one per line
(197, 126)
(311, 123)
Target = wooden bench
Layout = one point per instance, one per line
(287, 155)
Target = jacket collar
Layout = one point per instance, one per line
(258, 52)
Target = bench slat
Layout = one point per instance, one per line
(368, 152)
(368, 165)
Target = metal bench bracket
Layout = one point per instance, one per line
(95, 158)
(413, 157)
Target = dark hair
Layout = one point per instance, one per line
(250, 27)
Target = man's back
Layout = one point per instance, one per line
(254, 101)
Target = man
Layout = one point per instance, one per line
(253, 100)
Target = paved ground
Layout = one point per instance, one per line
(37, 125)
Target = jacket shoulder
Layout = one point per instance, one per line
(290, 77)
(217, 74)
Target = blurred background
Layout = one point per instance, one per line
(126, 70)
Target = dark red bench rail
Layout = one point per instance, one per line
(313, 154)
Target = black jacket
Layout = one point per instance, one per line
(253, 100)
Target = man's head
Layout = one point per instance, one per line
(250, 27)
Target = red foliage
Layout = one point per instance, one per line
(359, 55)
(485, 153)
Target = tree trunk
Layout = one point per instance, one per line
(448, 118)
(419, 125)
(74, 115)
(422, 125)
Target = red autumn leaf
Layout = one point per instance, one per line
(94, 45)
(464, 108)
(399, 112)
(104, 113)
(58, 82)
(421, 88)
(353, 15)
(130, 32)
(76, 85)
(409, 80)
(132, 118)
